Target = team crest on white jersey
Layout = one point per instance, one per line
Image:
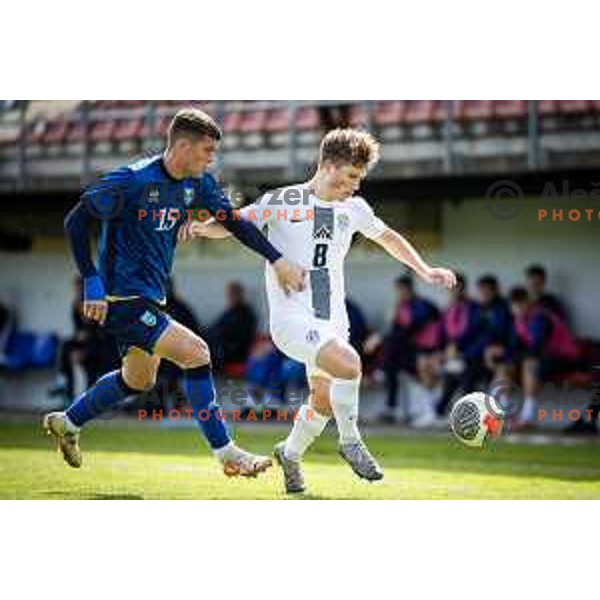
(312, 337)
(343, 221)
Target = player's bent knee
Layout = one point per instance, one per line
(340, 360)
(349, 370)
(350, 367)
(141, 382)
(195, 353)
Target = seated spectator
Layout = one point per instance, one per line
(498, 336)
(234, 331)
(547, 347)
(536, 286)
(7, 327)
(359, 329)
(410, 345)
(462, 329)
(90, 347)
(263, 373)
(270, 374)
(181, 311)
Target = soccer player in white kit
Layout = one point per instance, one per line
(313, 223)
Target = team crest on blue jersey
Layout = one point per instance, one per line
(148, 319)
(188, 196)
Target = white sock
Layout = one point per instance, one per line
(227, 452)
(344, 403)
(528, 412)
(306, 430)
(70, 426)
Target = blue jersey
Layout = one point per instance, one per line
(146, 207)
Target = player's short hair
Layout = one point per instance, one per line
(349, 147)
(193, 123)
(519, 295)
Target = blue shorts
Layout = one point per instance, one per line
(136, 323)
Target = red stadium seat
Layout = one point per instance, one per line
(548, 107)
(510, 109)
(232, 121)
(56, 132)
(358, 115)
(575, 107)
(174, 104)
(278, 120)
(253, 122)
(102, 104)
(162, 127)
(77, 132)
(307, 118)
(36, 131)
(103, 131)
(474, 110)
(9, 135)
(389, 113)
(127, 130)
(440, 111)
(234, 370)
(419, 111)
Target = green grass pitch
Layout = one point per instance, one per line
(133, 461)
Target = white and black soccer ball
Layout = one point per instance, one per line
(475, 418)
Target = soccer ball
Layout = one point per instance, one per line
(475, 418)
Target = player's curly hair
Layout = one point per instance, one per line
(350, 147)
(193, 123)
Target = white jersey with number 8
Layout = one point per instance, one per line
(315, 235)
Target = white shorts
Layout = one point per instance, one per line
(302, 339)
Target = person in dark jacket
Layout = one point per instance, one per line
(409, 345)
(235, 330)
(462, 330)
(536, 286)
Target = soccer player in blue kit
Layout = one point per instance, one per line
(143, 212)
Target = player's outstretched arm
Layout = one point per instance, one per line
(77, 228)
(401, 249)
(211, 229)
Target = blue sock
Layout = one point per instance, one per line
(101, 397)
(200, 391)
